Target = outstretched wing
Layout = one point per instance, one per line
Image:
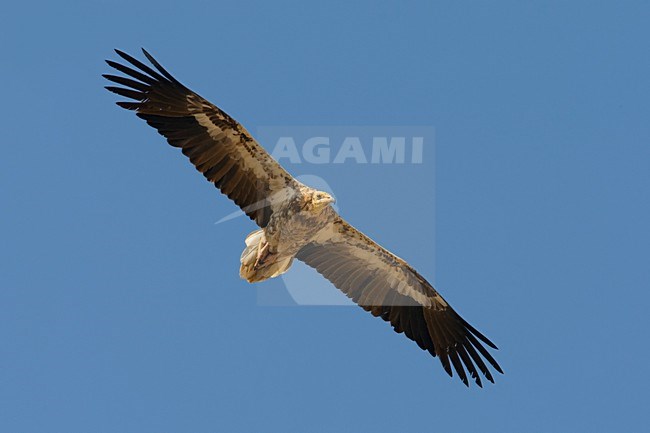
(388, 287)
(217, 145)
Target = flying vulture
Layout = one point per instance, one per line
(298, 222)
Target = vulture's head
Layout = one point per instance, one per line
(320, 200)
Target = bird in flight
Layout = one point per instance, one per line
(298, 222)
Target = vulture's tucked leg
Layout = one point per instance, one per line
(262, 253)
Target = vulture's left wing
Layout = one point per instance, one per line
(388, 287)
(217, 145)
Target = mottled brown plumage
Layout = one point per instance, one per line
(298, 222)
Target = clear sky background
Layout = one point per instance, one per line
(121, 309)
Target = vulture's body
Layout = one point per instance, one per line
(297, 222)
(302, 215)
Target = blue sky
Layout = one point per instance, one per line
(120, 305)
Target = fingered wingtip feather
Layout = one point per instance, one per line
(121, 53)
(138, 64)
(127, 93)
(160, 68)
(490, 343)
(478, 360)
(128, 105)
(446, 366)
(478, 334)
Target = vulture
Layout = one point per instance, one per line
(298, 222)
